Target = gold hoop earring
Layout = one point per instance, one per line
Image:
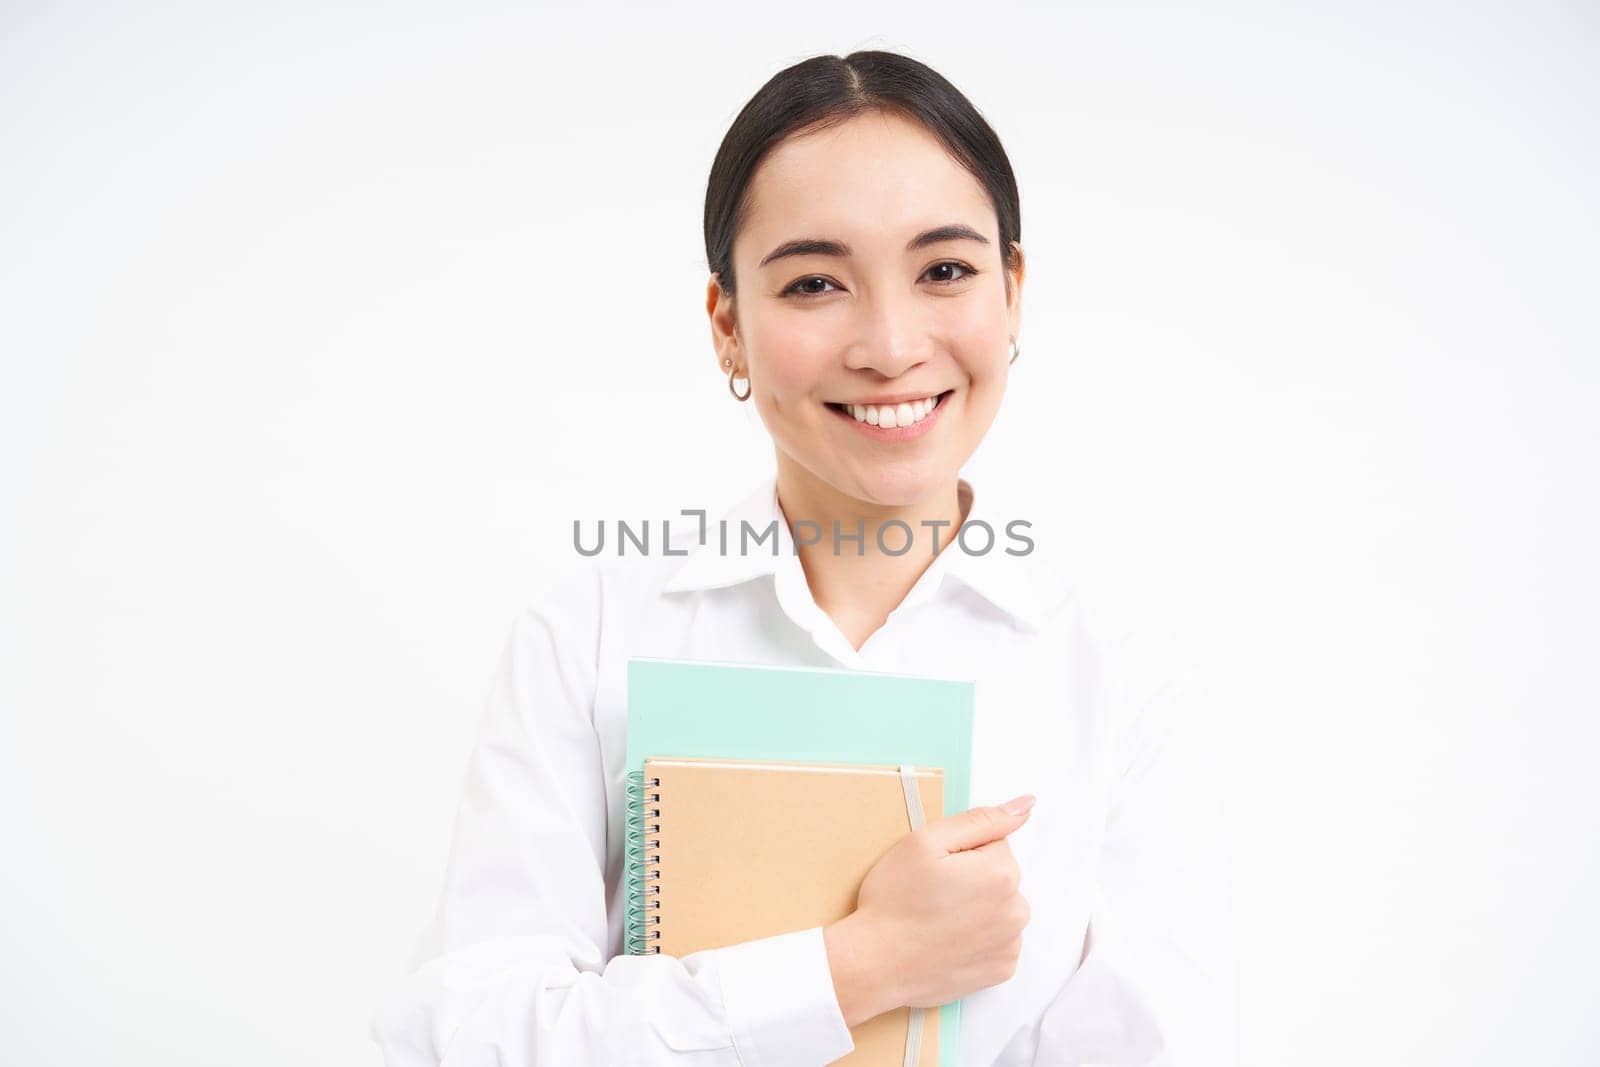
(731, 389)
(1015, 351)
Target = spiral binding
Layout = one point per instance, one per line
(642, 869)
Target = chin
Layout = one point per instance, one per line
(901, 486)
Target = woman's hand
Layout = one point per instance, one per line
(938, 917)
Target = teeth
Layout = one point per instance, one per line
(891, 415)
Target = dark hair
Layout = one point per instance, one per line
(825, 91)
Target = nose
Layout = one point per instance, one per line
(891, 337)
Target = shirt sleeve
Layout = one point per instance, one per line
(513, 967)
(1157, 982)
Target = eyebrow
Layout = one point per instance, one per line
(815, 246)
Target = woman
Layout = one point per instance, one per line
(862, 228)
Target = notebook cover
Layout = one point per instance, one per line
(750, 849)
(810, 714)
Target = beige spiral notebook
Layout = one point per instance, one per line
(737, 850)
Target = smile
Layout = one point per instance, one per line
(894, 422)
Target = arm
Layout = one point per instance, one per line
(855, 959)
(513, 969)
(1156, 984)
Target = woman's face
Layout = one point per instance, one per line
(849, 295)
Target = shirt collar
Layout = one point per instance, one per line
(1009, 582)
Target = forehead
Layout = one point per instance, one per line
(873, 180)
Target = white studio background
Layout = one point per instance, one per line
(320, 324)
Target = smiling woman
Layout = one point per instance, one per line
(862, 228)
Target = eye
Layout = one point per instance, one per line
(958, 266)
(796, 290)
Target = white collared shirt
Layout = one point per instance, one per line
(1127, 958)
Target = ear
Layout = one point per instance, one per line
(724, 327)
(1014, 301)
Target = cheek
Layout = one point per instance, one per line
(793, 362)
(979, 326)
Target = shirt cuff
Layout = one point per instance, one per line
(781, 1004)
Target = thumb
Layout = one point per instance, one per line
(979, 826)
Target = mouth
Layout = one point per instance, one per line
(892, 416)
(893, 423)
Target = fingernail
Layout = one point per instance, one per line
(1019, 805)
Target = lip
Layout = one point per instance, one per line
(897, 398)
(899, 433)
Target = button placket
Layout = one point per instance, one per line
(794, 597)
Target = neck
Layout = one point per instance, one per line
(856, 582)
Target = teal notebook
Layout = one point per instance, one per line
(697, 708)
